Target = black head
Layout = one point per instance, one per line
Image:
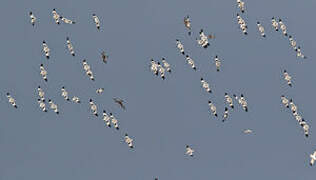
(226, 94)
(41, 64)
(126, 134)
(284, 71)
(90, 100)
(31, 13)
(201, 79)
(8, 94)
(226, 109)
(63, 87)
(44, 42)
(49, 100)
(158, 63)
(258, 22)
(187, 56)
(187, 146)
(84, 60)
(104, 111)
(241, 95)
(38, 99)
(290, 36)
(280, 20)
(93, 14)
(216, 56)
(177, 39)
(39, 87)
(67, 38)
(209, 102)
(54, 9)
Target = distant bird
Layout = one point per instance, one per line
(166, 65)
(100, 90)
(292, 42)
(42, 105)
(212, 108)
(261, 29)
(53, 106)
(11, 100)
(299, 53)
(189, 151)
(119, 102)
(217, 63)
(306, 130)
(285, 101)
(67, 21)
(128, 141)
(41, 93)
(180, 46)
(33, 18)
(75, 99)
(287, 78)
(283, 27)
(206, 85)
(313, 158)
(86, 67)
(275, 24)
(229, 100)
(225, 115)
(96, 21)
(190, 62)
(242, 101)
(64, 94)
(43, 72)
(104, 57)
(46, 50)
(154, 67)
(242, 24)
(298, 118)
(161, 71)
(114, 121)
(56, 16)
(70, 47)
(293, 107)
(187, 24)
(203, 41)
(93, 107)
(106, 119)
(247, 131)
(241, 5)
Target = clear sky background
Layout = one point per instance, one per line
(161, 116)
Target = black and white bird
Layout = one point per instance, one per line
(67, 21)
(283, 27)
(242, 24)
(180, 46)
(56, 16)
(299, 53)
(217, 63)
(41, 93)
(100, 90)
(154, 67)
(114, 121)
(306, 130)
(189, 151)
(190, 62)
(104, 57)
(64, 94)
(53, 106)
(292, 42)
(212, 108)
(42, 105)
(161, 71)
(206, 86)
(225, 115)
(187, 24)
(43, 72)
(46, 50)
(275, 24)
(229, 100)
(287, 78)
(285, 101)
(293, 107)
(242, 101)
(106, 119)
(313, 158)
(33, 18)
(11, 100)
(166, 65)
(247, 131)
(87, 69)
(120, 102)
(203, 40)
(96, 21)
(128, 141)
(93, 107)
(261, 29)
(75, 99)
(70, 47)
(241, 5)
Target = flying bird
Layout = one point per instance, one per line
(229, 100)
(275, 24)
(241, 5)
(217, 63)
(43, 72)
(287, 78)
(100, 90)
(313, 158)
(212, 108)
(161, 71)
(225, 115)
(67, 21)
(206, 85)
(285, 101)
(42, 105)
(128, 141)
(283, 27)
(189, 151)
(119, 102)
(11, 100)
(180, 46)
(33, 18)
(114, 121)
(166, 65)
(93, 107)
(64, 94)
(46, 50)
(261, 29)
(56, 16)
(187, 24)
(190, 62)
(154, 67)
(247, 131)
(41, 93)
(70, 47)
(96, 21)
(75, 99)
(106, 119)
(53, 106)
(104, 57)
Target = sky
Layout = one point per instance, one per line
(162, 116)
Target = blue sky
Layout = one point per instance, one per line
(161, 116)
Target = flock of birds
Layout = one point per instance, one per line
(163, 67)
